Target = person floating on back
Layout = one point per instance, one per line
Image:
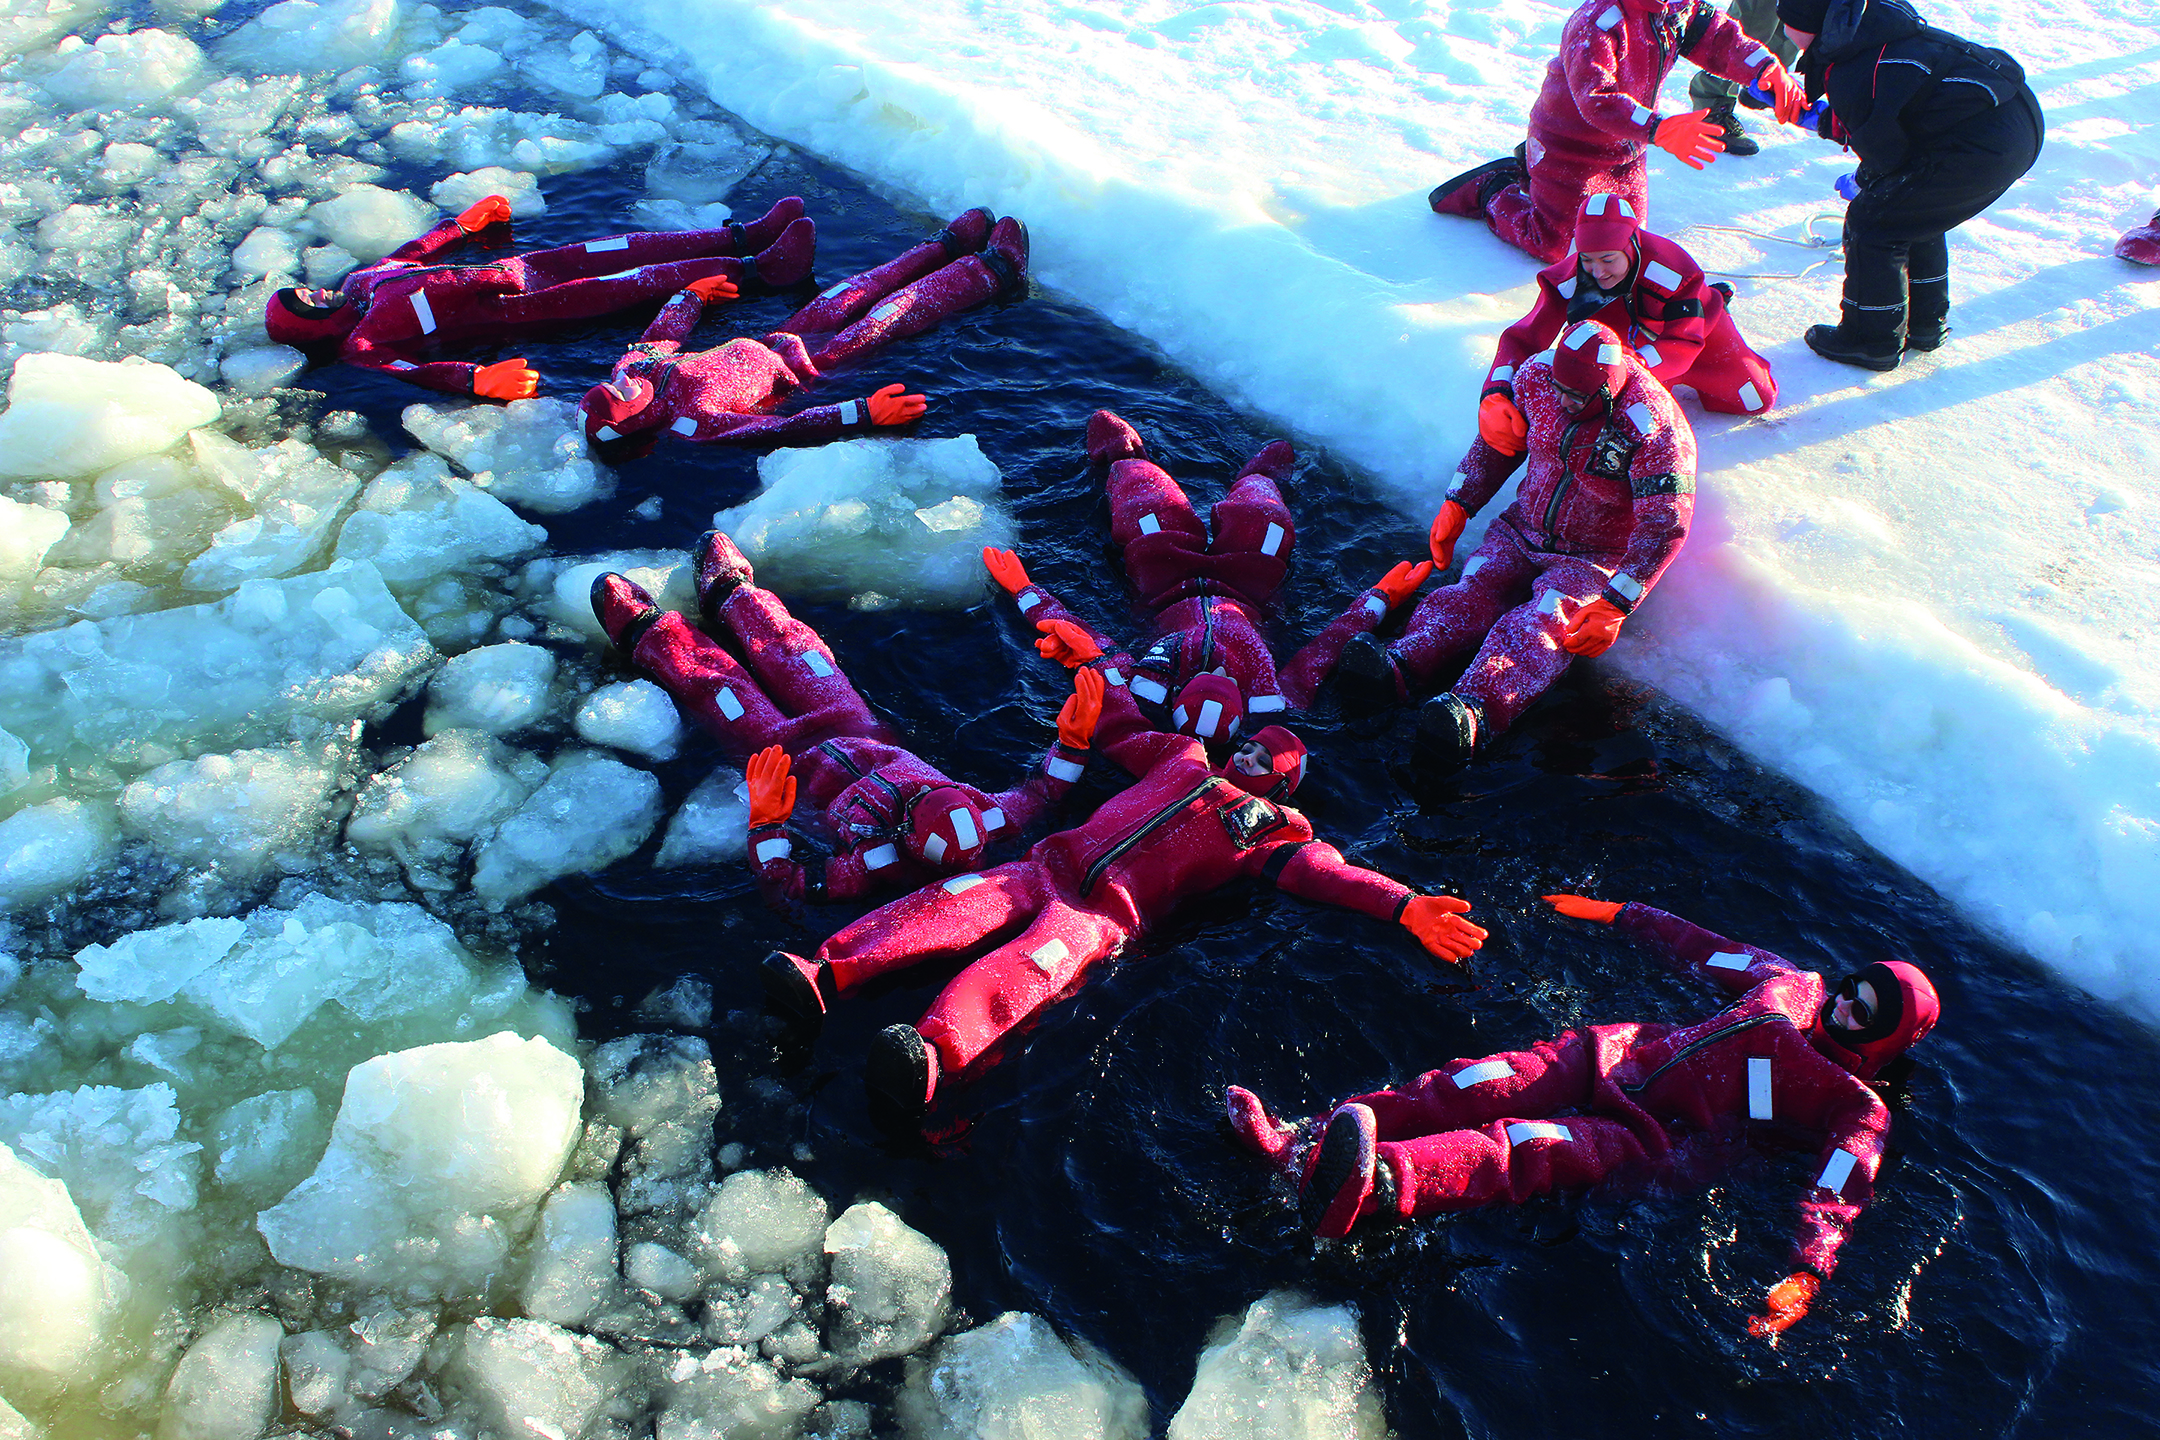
(393, 315)
(1785, 1065)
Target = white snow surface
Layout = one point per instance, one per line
(1915, 593)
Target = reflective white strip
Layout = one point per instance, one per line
(1758, 1088)
(1750, 396)
(1658, 273)
(421, 308)
(933, 849)
(1757, 57)
(1210, 718)
(1273, 542)
(889, 309)
(403, 365)
(1640, 116)
(1626, 586)
(684, 425)
(1502, 372)
(993, 819)
(1149, 524)
(1608, 354)
(819, 665)
(1566, 288)
(1609, 17)
(1065, 770)
(1729, 960)
(1028, 601)
(1477, 563)
(1596, 204)
(1150, 690)
(961, 884)
(1578, 337)
(1111, 677)
(1455, 487)
(1051, 956)
(601, 247)
(1525, 1130)
(963, 824)
(1265, 704)
(1550, 605)
(839, 289)
(729, 705)
(1177, 717)
(1838, 1171)
(607, 432)
(774, 850)
(850, 412)
(1644, 420)
(1650, 356)
(1478, 1074)
(879, 858)
(1376, 606)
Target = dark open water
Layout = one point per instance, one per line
(2003, 1284)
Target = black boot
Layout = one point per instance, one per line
(1368, 674)
(901, 1073)
(1488, 179)
(1869, 352)
(800, 990)
(1447, 734)
(1737, 140)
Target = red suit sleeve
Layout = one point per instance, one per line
(1662, 477)
(1689, 949)
(1673, 277)
(1036, 605)
(1534, 332)
(1315, 870)
(1482, 472)
(1026, 802)
(452, 377)
(1300, 680)
(1725, 49)
(815, 426)
(428, 246)
(1858, 1126)
(780, 878)
(1592, 68)
(673, 324)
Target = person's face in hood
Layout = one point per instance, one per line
(1874, 1015)
(1606, 268)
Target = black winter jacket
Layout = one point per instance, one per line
(1899, 86)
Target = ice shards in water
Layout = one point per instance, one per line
(711, 825)
(529, 452)
(891, 1286)
(636, 716)
(70, 416)
(1286, 1356)
(60, 1297)
(226, 1384)
(591, 812)
(500, 689)
(1015, 1378)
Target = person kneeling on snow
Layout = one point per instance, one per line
(723, 395)
(1786, 1065)
(1207, 668)
(1942, 127)
(1654, 297)
(1602, 511)
(892, 820)
(1597, 117)
(389, 316)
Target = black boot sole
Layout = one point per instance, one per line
(1511, 166)
(1830, 350)
(897, 1072)
(1442, 749)
(791, 995)
(1366, 676)
(1337, 1161)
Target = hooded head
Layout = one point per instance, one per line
(618, 407)
(1588, 360)
(1605, 222)
(307, 317)
(1210, 706)
(1270, 765)
(946, 829)
(1874, 1015)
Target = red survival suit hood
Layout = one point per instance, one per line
(1286, 754)
(294, 320)
(1210, 706)
(1606, 222)
(616, 408)
(1906, 1007)
(946, 829)
(1588, 358)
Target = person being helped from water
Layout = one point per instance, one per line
(1597, 117)
(725, 395)
(1942, 127)
(393, 315)
(1653, 295)
(1207, 670)
(1602, 509)
(2142, 245)
(1037, 928)
(1785, 1065)
(892, 821)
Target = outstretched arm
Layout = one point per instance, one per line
(1850, 1159)
(1065, 762)
(1685, 947)
(1315, 870)
(1300, 680)
(452, 377)
(494, 210)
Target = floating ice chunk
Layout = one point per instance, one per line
(418, 522)
(496, 688)
(26, 533)
(303, 36)
(49, 849)
(87, 242)
(760, 1222)
(226, 1386)
(118, 1153)
(437, 1162)
(317, 1371)
(665, 575)
(1014, 1379)
(891, 1287)
(529, 452)
(129, 162)
(654, 1267)
(367, 220)
(532, 1379)
(591, 812)
(519, 187)
(69, 416)
(700, 171)
(578, 69)
(153, 514)
(12, 1424)
(262, 369)
(61, 329)
(450, 67)
(712, 825)
(244, 813)
(14, 769)
(385, 1345)
(267, 251)
(450, 790)
(572, 1258)
(635, 715)
(145, 966)
(1289, 1367)
(23, 27)
(267, 1144)
(725, 1395)
(903, 518)
(131, 69)
(328, 264)
(661, 1090)
(687, 1003)
(57, 1296)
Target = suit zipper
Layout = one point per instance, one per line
(1141, 831)
(1695, 1046)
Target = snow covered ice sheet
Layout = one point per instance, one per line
(1915, 593)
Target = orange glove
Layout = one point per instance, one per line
(1006, 569)
(1066, 643)
(1582, 907)
(1691, 138)
(772, 788)
(1787, 1305)
(713, 288)
(1401, 582)
(1592, 629)
(495, 210)
(1447, 527)
(890, 406)
(1787, 100)
(1076, 722)
(506, 380)
(1500, 424)
(1437, 922)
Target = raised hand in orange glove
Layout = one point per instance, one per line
(1401, 582)
(494, 210)
(1582, 907)
(1787, 1305)
(772, 788)
(1691, 138)
(1447, 528)
(1787, 100)
(1006, 569)
(506, 380)
(1076, 722)
(1592, 629)
(893, 406)
(1500, 424)
(1066, 643)
(713, 288)
(1437, 921)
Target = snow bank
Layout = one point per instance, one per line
(1288, 1368)
(1942, 573)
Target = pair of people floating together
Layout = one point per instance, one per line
(1942, 128)
(392, 315)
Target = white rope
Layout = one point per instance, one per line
(1807, 240)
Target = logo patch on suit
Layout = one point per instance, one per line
(1609, 457)
(1250, 820)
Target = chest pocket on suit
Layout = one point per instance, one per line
(1250, 820)
(1611, 455)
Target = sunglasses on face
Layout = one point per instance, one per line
(1861, 1011)
(1572, 395)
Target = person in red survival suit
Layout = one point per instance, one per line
(1603, 509)
(723, 395)
(1035, 929)
(2142, 245)
(892, 820)
(1653, 295)
(1207, 667)
(382, 316)
(1784, 1066)
(1597, 116)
